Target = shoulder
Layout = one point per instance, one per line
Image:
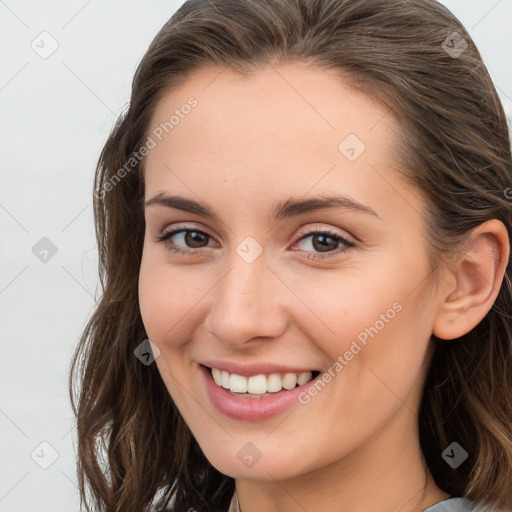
(458, 504)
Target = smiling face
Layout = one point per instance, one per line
(306, 252)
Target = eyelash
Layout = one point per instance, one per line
(165, 237)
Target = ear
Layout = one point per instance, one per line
(475, 280)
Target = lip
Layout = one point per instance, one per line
(250, 369)
(251, 409)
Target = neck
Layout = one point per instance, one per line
(383, 475)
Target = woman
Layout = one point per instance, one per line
(304, 209)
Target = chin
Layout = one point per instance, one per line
(237, 463)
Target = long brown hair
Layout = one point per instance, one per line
(135, 451)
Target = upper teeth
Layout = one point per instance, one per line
(259, 384)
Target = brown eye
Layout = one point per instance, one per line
(196, 239)
(323, 243)
(185, 240)
(317, 242)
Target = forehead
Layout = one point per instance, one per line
(293, 127)
(299, 97)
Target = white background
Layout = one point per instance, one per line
(56, 115)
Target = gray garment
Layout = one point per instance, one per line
(448, 505)
(456, 505)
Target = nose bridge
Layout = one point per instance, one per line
(245, 303)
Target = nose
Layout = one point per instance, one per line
(247, 303)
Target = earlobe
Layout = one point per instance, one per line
(476, 280)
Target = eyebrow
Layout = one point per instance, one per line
(282, 210)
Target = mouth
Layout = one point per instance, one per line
(260, 385)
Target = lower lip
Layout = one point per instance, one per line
(250, 409)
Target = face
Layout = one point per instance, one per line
(283, 250)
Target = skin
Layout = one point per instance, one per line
(253, 142)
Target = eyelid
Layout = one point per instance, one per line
(169, 232)
(185, 227)
(309, 231)
(319, 229)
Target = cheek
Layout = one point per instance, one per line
(166, 299)
(393, 341)
(374, 325)
(349, 306)
(153, 301)
(166, 304)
